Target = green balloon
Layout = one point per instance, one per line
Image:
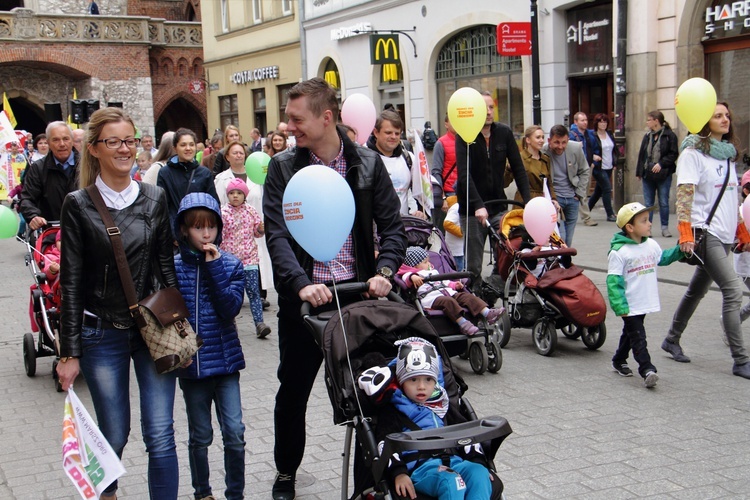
(8, 223)
(256, 167)
(199, 156)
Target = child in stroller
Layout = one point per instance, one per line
(363, 338)
(416, 400)
(446, 296)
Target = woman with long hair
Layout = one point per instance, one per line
(657, 161)
(536, 164)
(98, 336)
(604, 166)
(278, 143)
(707, 178)
(164, 153)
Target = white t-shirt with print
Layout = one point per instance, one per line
(708, 174)
(401, 178)
(636, 263)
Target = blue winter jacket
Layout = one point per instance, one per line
(213, 293)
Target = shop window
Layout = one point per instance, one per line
(283, 98)
(228, 111)
(470, 59)
(259, 107)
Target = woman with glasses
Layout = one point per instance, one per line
(98, 337)
(657, 161)
(603, 166)
(183, 175)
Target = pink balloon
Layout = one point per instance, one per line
(746, 212)
(540, 219)
(358, 112)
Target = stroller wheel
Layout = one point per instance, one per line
(502, 327)
(478, 357)
(545, 336)
(594, 336)
(495, 356)
(571, 331)
(29, 354)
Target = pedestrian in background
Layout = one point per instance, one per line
(444, 171)
(602, 171)
(164, 153)
(707, 178)
(579, 132)
(656, 163)
(102, 341)
(212, 284)
(632, 286)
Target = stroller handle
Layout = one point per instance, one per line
(347, 289)
(455, 276)
(555, 252)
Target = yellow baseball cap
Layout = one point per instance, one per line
(630, 210)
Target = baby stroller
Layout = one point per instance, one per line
(370, 328)
(544, 290)
(483, 349)
(44, 305)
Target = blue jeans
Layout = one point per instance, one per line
(105, 364)
(602, 190)
(199, 395)
(662, 187)
(465, 480)
(634, 337)
(719, 268)
(569, 207)
(252, 288)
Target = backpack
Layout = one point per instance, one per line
(429, 138)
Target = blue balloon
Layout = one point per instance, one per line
(319, 211)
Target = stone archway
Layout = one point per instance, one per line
(179, 113)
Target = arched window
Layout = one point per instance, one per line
(331, 74)
(470, 59)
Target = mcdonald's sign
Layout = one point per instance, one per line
(384, 49)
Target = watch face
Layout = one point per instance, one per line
(385, 272)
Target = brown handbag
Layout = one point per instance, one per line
(162, 316)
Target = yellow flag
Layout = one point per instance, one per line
(8, 111)
(72, 125)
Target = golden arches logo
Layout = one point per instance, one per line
(384, 49)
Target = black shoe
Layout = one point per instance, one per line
(266, 304)
(741, 370)
(675, 350)
(283, 487)
(622, 369)
(611, 218)
(262, 330)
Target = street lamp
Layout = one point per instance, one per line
(536, 100)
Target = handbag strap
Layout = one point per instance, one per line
(119, 250)
(718, 198)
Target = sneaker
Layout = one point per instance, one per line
(622, 369)
(494, 314)
(468, 329)
(611, 218)
(665, 232)
(283, 487)
(723, 332)
(742, 370)
(650, 379)
(590, 222)
(675, 350)
(262, 330)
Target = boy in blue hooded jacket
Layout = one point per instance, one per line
(632, 286)
(213, 285)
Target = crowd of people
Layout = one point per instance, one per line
(205, 228)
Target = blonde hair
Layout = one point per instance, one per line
(90, 167)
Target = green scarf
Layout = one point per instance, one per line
(721, 150)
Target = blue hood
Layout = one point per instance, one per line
(197, 200)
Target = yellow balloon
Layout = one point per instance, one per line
(695, 102)
(467, 112)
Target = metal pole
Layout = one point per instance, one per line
(536, 101)
(620, 95)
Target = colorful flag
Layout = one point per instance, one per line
(8, 111)
(72, 125)
(421, 186)
(6, 130)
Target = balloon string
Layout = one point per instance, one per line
(343, 332)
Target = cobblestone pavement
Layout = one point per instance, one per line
(580, 431)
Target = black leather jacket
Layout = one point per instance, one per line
(88, 273)
(45, 186)
(375, 200)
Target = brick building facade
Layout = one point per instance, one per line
(145, 54)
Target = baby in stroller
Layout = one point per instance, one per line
(446, 296)
(416, 400)
(51, 261)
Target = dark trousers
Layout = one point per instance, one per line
(634, 337)
(602, 190)
(453, 306)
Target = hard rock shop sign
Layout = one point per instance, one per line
(728, 19)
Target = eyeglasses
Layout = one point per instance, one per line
(115, 143)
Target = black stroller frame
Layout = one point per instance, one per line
(373, 326)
